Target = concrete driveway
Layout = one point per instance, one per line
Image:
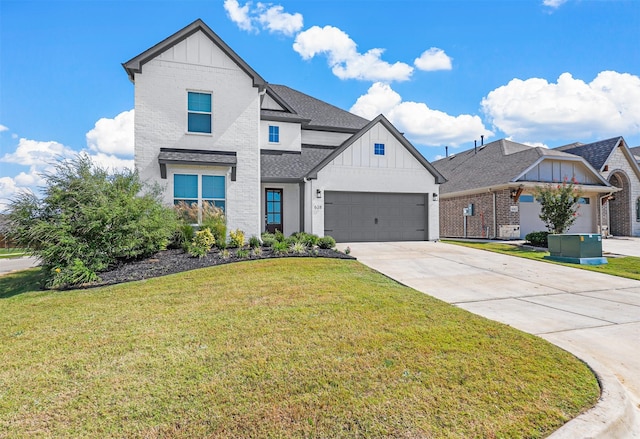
(594, 316)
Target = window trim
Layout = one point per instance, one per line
(379, 149)
(275, 134)
(200, 200)
(210, 113)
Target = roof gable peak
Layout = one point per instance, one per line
(134, 65)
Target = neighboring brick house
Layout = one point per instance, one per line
(616, 163)
(210, 129)
(490, 189)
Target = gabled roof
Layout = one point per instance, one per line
(320, 115)
(392, 129)
(492, 165)
(134, 65)
(636, 152)
(596, 153)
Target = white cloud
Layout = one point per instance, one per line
(433, 59)
(263, 16)
(420, 123)
(110, 145)
(553, 3)
(534, 108)
(3, 128)
(113, 136)
(239, 14)
(344, 59)
(275, 20)
(37, 153)
(111, 162)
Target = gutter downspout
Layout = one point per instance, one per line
(601, 216)
(495, 217)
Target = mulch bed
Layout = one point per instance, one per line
(176, 261)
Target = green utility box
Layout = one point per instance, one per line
(576, 248)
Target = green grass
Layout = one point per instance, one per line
(628, 266)
(296, 347)
(12, 253)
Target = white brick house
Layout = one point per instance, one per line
(209, 129)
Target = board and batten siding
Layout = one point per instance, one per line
(197, 64)
(557, 170)
(358, 169)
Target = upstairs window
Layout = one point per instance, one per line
(199, 112)
(378, 148)
(274, 134)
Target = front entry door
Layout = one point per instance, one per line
(273, 212)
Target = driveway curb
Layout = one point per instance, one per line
(614, 415)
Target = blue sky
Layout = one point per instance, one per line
(541, 72)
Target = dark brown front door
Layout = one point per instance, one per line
(273, 206)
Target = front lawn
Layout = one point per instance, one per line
(298, 347)
(628, 266)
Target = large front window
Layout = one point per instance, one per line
(197, 190)
(199, 112)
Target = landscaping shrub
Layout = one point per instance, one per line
(236, 238)
(268, 239)
(202, 243)
(326, 242)
(214, 219)
(88, 220)
(242, 253)
(280, 247)
(537, 239)
(298, 247)
(254, 242)
(279, 236)
(183, 236)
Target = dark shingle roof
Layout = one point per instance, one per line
(286, 165)
(496, 163)
(196, 156)
(636, 152)
(595, 153)
(320, 114)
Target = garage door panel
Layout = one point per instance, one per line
(364, 216)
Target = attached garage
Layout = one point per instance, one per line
(368, 216)
(530, 216)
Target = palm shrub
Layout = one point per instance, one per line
(88, 220)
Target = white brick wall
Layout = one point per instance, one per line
(161, 121)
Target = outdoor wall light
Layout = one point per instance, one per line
(435, 197)
(514, 193)
(318, 193)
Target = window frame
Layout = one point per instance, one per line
(275, 134)
(379, 149)
(200, 112)
(201, 199)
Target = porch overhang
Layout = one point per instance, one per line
(198, 157)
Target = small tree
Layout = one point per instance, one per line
(559, 205)
(89, 220)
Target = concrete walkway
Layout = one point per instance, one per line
(593, 315)
(8, 265)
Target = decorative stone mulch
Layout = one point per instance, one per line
(176, 261)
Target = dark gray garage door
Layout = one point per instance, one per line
(364, 216)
